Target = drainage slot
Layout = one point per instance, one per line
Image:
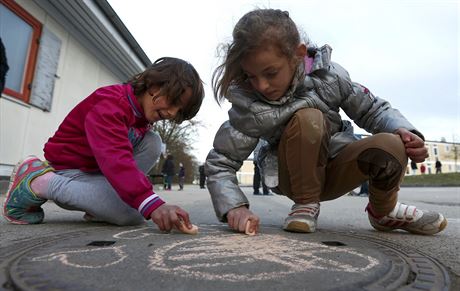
(333, 243)
(101, 243)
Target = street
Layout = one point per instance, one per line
(66, 253)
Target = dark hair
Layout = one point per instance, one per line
(173, 76)
(260, 27)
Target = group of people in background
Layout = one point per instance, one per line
(169, 171)
(414, 168)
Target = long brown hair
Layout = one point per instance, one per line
(260, 27)
(173, 76)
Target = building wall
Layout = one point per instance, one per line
(23, 128)
(445, 152)
(246, 173)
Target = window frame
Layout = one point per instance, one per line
(31, 60)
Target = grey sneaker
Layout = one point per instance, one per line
(302, 218)
(408, 218)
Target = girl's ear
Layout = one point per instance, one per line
(301, 51)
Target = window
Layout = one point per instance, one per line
(20, 33)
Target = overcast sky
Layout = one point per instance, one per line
(403, 51)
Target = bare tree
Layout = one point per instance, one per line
(179, 140)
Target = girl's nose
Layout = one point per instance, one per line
(172, 111)
(262, 85)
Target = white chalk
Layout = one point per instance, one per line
(248, 226)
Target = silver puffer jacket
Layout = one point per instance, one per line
(252, 117)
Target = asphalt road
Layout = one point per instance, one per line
(345, 253)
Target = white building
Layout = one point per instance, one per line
(58, 53)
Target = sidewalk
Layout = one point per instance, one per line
(66, 253)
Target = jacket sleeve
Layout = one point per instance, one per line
(368, 111)
(231, 148)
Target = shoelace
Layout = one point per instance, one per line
(311, 209)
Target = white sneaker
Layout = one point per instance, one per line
(302, 218)
(408, 218)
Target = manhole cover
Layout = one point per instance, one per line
(143, 259)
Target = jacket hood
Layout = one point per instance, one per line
(321, 58)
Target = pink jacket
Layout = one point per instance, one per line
(94, 137)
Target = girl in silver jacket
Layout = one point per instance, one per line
(288, 95)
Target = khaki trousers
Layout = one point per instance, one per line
(306, 175)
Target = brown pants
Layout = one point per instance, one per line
(306, 175)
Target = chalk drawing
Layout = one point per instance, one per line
(253, 258)
(134, 234)
(94, 255)
(143, 232)
(222, 256)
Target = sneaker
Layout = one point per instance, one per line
(408, 218)
(22, 205)
(302, 218)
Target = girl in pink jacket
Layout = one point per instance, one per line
(98, 158)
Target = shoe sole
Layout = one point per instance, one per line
(297, 226)
(10, 185)
(441, 227)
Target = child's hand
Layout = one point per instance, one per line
(168, 216)
(415, 146)
(238, 218)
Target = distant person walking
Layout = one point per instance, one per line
(181, 176)
(364, 191)
(413, 166)
(168, 171)
(202, 176)
(257, 180)
(438, 166)
(422, 169)
(3, 66)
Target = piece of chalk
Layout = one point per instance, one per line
(193, 230)
(248, 226)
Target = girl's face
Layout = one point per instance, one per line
(269, 71)
(157, 107)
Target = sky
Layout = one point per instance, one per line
(404, 51)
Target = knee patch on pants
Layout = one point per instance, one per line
(384, 162)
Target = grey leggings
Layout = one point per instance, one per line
(92, 193)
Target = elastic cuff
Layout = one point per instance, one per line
(149, 205)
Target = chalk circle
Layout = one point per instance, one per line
(106, 257)
(143, 232)
(237, 258)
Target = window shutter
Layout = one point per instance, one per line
(45, 72)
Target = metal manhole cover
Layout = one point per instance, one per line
(143, 259)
